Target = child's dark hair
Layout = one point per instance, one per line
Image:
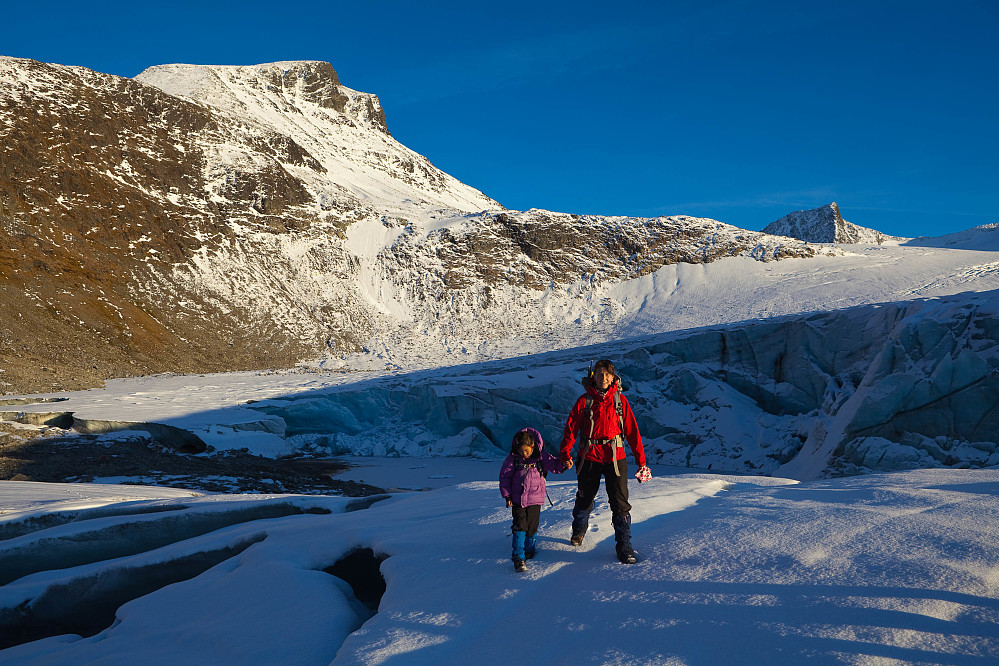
(523, 438)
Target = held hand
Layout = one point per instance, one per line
(568, 463)
(509, 502)
(643, 474)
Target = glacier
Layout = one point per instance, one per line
(871, 388)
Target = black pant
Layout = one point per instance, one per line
(526, 518)
(588, 480)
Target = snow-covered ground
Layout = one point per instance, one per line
(879, 569)
(735, 290)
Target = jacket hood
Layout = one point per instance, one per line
(537, 438)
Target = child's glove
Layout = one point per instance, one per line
(643, 474)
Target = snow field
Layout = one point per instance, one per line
(897, 568)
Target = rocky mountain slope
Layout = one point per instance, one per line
(205, 218)
(826, 225)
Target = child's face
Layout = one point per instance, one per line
(526, 450)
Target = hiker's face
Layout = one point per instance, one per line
(526, 450)
(603, 378)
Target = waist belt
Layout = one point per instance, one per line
(615, 443)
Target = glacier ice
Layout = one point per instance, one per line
(863, 389)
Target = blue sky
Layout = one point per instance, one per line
(739, 111)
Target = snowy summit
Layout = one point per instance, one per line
(826, 225)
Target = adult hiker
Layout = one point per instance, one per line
(603, 418)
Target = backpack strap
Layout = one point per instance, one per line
(522, 464)
(591, 405)
(620, 409)
(583, 450)
(616, 442)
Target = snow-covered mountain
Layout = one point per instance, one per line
(983, 237)
(360, 166)
(826, 225)
(143, 232)
(206, 218)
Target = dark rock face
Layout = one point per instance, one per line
(315, 81)
(537, 248)
(818, 225)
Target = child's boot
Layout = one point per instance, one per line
(519, 541)
(530, 546)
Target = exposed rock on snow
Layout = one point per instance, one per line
(826, 225)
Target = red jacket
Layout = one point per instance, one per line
(606, 426)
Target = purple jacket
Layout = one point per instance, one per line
(521, 481)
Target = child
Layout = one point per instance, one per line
(522, 485)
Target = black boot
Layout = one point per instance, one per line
(622, 535)
(518, 565)
(626, 555)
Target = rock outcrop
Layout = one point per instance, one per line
(826, 225)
